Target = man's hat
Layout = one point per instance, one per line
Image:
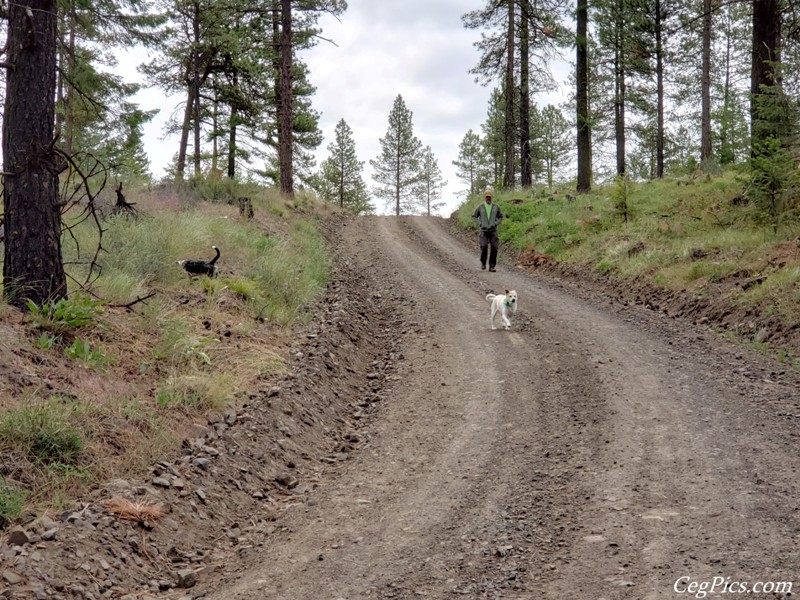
(487, 193)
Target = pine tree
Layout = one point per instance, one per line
(553, 141)
(732, 113)
(339, 180)
(94, 113)
(493, 138)
(471, 163)
(397, 169)
(497, 48)
(233, 63)
(431, 183)
(765, 79)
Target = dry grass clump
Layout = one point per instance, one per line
(140, 511)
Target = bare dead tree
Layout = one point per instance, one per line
(86, 179)
(123, 207)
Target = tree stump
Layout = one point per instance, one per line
(245, 207)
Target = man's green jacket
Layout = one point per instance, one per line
(487, 223)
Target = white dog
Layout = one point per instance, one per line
(503, 304)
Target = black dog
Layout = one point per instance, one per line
(201, 267)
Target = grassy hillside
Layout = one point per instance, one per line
(696, 236)
(104, 383)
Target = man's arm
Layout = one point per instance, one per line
(476, 216)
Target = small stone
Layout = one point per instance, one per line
(161, 482)
(17, 536)
(273, 391)
(44, 523)
(119, 486)
(11, 577)
(286, 480)
(186, 578)
(230, 416)
(202, 463)
(50, 534)
(198, 431)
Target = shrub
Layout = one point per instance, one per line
(66, 314)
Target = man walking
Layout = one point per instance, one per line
(487, 217)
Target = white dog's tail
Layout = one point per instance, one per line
(490, 297)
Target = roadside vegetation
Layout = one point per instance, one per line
(701, 235)
(103, 383)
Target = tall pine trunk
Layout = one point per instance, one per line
(726, 154)
(508, 174)
(584, 141)
(659, 93)
(196, 83)
(285, 100)
(705, 86)
(183, 145)
(234, 122)
(214, 136)
(619, 93)
(33, 267)
(766, 38)
(524, 99)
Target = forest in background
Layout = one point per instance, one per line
(660, 88)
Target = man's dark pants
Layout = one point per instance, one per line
(487, 239)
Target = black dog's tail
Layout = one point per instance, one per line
(213, 260)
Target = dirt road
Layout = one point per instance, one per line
(593, 451)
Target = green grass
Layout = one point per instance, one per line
(168, 357)
(43, 432)
(290, 276)
(196, 391)
(82, 350)
(12, 501)
(279, 278)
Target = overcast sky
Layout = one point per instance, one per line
(416, 48)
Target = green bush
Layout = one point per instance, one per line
(66, 314)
